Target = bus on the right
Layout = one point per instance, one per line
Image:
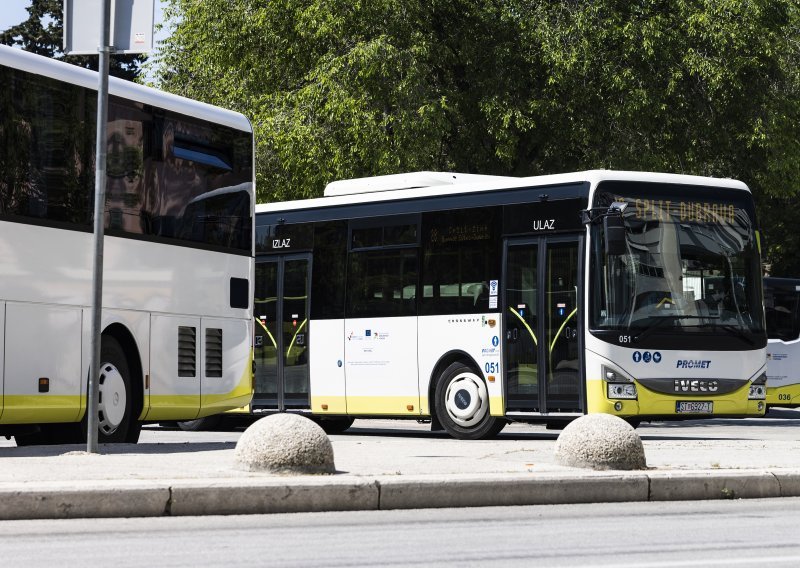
(782, 308)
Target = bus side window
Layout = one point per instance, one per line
(782, 314)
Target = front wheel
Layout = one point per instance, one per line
(335, 425)
(462, 404)
(201, 424)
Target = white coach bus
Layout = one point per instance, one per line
(177, 318)
(472, 301)
(782, 306)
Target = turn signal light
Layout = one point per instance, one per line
(491, 378)
(324, 407)
(44, 384)
(409, 407)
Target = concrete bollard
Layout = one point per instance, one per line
(284, 443)
(600, 441)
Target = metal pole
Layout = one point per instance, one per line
(99, 225)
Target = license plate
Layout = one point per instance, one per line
(694, 407)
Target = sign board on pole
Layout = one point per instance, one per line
(131, 29)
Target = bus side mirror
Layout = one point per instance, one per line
(614, 230)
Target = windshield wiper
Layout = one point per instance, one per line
(737, 331)
(661, 319)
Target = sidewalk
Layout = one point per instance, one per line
(391, 465)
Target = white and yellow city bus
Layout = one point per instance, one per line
(782, 307)
(177, 318)
(472, 301)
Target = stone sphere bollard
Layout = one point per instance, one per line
(600, 441)
(284, 443)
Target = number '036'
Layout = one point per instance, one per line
(492, 367)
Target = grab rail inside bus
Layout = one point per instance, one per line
(295, 336)
(530, 331)
(272, 339)
(560, 329)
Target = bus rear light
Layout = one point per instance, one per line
(622, 390)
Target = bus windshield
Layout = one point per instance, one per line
(691, 266)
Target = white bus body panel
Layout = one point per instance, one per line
(477, 335)
(46, 344)
(172, 396)
(327, 378)
(783, 363)
(236, 359)
(381, 366)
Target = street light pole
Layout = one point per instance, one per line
(99, 225)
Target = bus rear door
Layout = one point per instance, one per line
(281, 333)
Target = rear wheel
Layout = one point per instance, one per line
(462, 404)
(335, 425)
(115, 420)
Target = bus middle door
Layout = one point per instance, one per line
(542, 333)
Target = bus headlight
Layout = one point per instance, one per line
(758, 388)
(613, 376)
(621, 390)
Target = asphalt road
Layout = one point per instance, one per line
(646, 535)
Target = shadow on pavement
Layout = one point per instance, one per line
(117, 449)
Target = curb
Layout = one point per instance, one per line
(295, 495)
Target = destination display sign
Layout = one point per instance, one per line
(680, 210)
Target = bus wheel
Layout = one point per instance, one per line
(200, 424)
(335, 425)
(462, 404)
(114, 421)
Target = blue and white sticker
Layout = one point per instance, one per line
(646, 356)
(494, 286)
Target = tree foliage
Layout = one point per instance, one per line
(347, 88)
(43, 32)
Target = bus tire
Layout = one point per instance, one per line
(200, 424)
(115, 423)
(335, 425)
(462, 404)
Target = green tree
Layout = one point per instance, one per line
(339, 89)
(43, 32)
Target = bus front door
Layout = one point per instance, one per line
(281, 340)
(542, 329)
